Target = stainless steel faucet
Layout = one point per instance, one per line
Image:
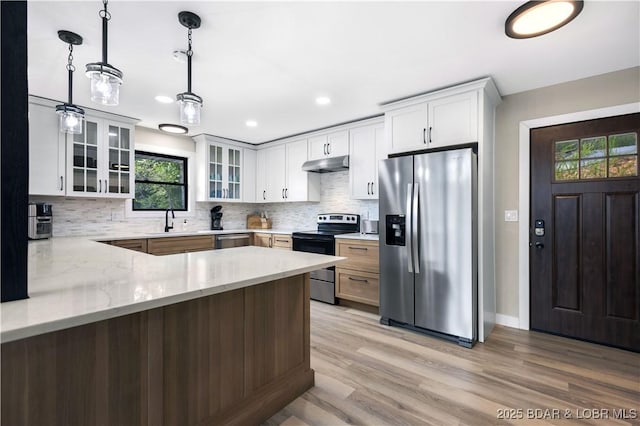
(166, 220)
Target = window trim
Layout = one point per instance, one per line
(190, 155)
(185, 161)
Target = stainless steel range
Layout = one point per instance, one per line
(322, 241)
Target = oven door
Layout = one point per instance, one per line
(322, 282)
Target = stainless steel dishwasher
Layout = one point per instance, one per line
(232, 240)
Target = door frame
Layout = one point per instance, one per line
(524, 183)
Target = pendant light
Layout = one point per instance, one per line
(71, 116)
(535, 18)
(190, 103)
(105, 79)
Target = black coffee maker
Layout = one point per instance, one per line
(216, 218)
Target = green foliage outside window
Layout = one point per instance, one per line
(160, 182)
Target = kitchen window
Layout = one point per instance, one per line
(161, 182)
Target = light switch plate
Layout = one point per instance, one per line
(511, 215)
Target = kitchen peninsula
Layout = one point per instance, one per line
(114, 336)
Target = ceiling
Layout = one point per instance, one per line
(268, 61)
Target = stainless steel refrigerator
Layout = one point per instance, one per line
(428, 236)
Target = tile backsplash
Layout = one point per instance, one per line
(82, 216)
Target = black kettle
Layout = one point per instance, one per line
(216, 218)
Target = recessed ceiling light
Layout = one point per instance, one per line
(251, 123)
(536, 18)
(173, 128)
(164, 99)
(323, 100)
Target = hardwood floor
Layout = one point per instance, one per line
(371, 374)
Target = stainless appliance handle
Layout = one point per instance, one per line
(408, 231)
(414, 228)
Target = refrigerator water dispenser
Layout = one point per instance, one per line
(395, 226)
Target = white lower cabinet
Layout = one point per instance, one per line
(367, 147)
(97, 163)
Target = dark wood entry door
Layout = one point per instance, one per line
(585, 269)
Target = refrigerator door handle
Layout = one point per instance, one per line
(409, 232)
(414, 228)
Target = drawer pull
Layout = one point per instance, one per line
(358, 248)
(359, 280)
(282, 241)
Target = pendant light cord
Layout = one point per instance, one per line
(189, 55)
(70, 69)
(106, 16)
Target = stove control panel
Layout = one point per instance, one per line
(338, 218)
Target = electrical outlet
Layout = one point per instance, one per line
(511, 215)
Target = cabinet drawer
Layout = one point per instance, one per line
(360, 287)
(281, 241)
(171, 245)
(137, 245)
(361, 255)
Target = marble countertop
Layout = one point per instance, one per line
(75, 281)
(187, 233)
(358, 236)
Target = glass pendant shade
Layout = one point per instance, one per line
(190, 106)
(70, 118)
(105, 84)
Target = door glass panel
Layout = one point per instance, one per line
(566, 170)
(78, 179)
(124, 183)
(92, 133)
(567, 150)
(92, 181)
(78, 155)
(113, 159)
(124, 138)
(113, 182)
(124, 160)
(593, 147)
(590, 169)
(623, 166)
(113, 136)
(92, 157)
(623, 144)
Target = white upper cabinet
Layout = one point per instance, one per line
(279, 175)
(220, 172)
(433, 122)
(249, 171)
(46, 152)
(329, 145)
(97, 163)
(367, 148)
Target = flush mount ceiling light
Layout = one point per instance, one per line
(71, 116)
(190, 103)
(164, 99)
(105, 79)
(323, 100)
(173, 128)
(536, 18)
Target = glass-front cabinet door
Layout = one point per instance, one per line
(233, 177)
(224, 168)
(85, 160)
(120, 154)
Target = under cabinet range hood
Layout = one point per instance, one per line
(326, 165)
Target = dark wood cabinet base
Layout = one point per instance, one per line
(232, 358)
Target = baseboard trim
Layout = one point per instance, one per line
(507, 321)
